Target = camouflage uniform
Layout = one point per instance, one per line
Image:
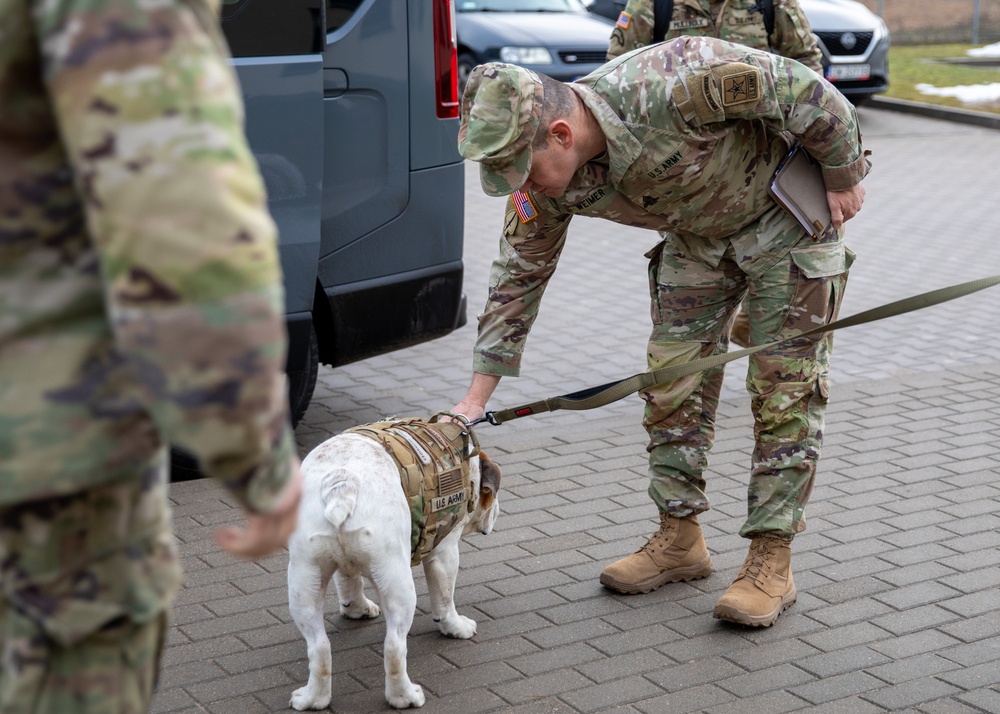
(739, 21)
(696, 164)
(140, 305)
(736, 21)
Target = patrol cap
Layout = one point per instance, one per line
(501, 110)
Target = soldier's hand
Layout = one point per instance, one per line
(468, 409)
(844, 205)
(265, 533)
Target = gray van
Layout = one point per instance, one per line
(352, 110)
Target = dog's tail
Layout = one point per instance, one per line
(340, 498)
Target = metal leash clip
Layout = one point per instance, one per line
(487, 417)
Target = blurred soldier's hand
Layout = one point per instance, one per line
(844, 205)
(266, 532)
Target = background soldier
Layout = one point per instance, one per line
(681, 137)
(777, 26)
(140, 305)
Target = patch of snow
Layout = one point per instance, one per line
(987, 51)
(968, 94)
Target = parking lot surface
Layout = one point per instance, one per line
(898, 572)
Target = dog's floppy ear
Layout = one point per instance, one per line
(489, 480)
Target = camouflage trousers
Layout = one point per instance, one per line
(693, 305)
(87, 580)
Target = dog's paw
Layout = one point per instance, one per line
(361, 609)
(414, 697)
(306, 698)
(459, 627)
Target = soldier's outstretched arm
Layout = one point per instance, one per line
(473, 404)
(529, 252)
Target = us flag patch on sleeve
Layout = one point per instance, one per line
(524, 207)
(623, 20)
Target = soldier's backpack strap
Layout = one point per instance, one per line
(663, 10)
(766, 8)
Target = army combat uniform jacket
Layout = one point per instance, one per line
(695, 129)
(738, 21)
(140, 289)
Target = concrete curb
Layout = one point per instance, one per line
(964, 116)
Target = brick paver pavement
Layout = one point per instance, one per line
(898, 572)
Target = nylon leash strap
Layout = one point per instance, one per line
(599, 396)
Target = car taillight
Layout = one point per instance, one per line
(446, 60)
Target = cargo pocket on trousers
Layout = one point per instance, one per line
(823, 260)
(654, 255)
(823, 275)
(820, 273)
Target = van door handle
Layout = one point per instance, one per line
(334, 82)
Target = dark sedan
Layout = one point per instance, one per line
(855, 45)
(556, 37)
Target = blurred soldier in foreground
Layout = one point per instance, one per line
(778, 26)
(140, 306)
(682, 137)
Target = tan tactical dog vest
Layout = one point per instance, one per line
(433, 460)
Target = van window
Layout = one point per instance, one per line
(270, 28)
(339, 12)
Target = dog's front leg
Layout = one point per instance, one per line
(394, 583)
(441, 569)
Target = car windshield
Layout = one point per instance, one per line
(520, 6)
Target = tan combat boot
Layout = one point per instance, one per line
(764, 588)
(675, 552)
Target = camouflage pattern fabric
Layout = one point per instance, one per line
(738, 21)
(789, 385)
(502, 124)
(140, 304)
(85, 578)
(691, 157)
(140, 289)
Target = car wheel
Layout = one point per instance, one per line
(301, 384)
(466, 63)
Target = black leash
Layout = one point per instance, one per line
(613, 391)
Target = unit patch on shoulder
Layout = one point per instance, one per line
(740, 84)
(624, 20)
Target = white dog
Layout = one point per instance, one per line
(359, 516)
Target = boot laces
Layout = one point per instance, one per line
(660, 539)
(757, 559)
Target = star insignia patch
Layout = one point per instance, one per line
(740, 88)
